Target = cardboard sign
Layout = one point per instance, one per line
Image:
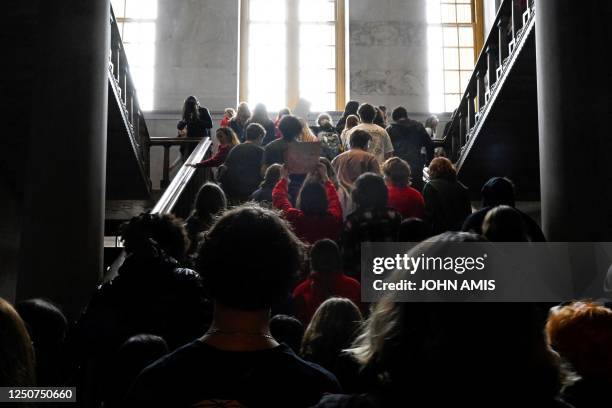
(302, 158)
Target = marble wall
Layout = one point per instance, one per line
(388, 53)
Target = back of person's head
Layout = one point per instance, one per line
(16, 351)
(331, 172)
(325, 257)
(380, 119)
(226, 135)
(581, 332)
(249, 258)
(209, 202)
(229, 112)
(260, 114)
(243, 113)
(350, 108)
(414, 230)
(399, 113)
(440, 152)
(273, 174)
(134, 355)
(290, 127)
(288, 330)
(504, 224)
(332, 329)
(370, 192)
(442, 168)
(367, 113)
(325, 119)
(498, 191)
(360, 139)
(45, 321)
(432, 122)
(397, 172)
(283, 112)
(255, 132)
(351, 121)
(312, 199)
(165, 230)
(474, 351)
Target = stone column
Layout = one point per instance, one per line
(61, 254)
(574, 87)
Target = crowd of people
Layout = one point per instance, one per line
(255, 299)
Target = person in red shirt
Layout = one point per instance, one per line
(402, 198)
(319, 213)
(228, 114)
(227, 139)
(326, 280)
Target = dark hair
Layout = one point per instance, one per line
(498, 191)
(288, 330)
(260, 114)
(504, 224)
(397, 171)
(414, 230)
(250, 281)
(191, 111)
(442, 168)
(349, 121)
(45, 321)
(290, 127)
(370, 192)
(283, 112)
(165, 230)
(350, 108)
(487, 350)
(324, 117)
(255, 131)
(332, 329)
(399, 113)
(367, 113)
(209, 202)
(272, 176)
(431, 120)
(380, 118)
(325, 257)
(359, 139)
(312, 199)
(16, 351)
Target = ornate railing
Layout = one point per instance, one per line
(122, 84)
(501, 45)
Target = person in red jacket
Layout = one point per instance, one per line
(402, 198)
(227, 139)
(319, 213)
(326, 280)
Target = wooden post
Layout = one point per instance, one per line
(166, 177)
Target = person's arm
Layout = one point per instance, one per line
(387, 145)
(215, 161)
(280, 194)
(333, 201)
(374, 166)
(429, 146)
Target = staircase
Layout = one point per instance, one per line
(494, 131)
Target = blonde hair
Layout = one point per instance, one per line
(229, 136)
(16, 351)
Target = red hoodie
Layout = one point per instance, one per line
(310, 229)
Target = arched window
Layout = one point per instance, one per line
(292, 49)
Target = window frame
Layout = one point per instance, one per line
(293, 65)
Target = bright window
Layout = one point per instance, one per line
(137, 20)
(451, 37)
(292, 52)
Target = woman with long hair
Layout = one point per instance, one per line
(333, 329)
(16, 351)
(240, 120)
(350, 109)
(195, 122)
(227, 140)
(261, 117)
(209, 203)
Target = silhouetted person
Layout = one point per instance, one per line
(288, 330)
(261, 117)
(195, 122)
(209, 203)
(350, 109)
(414, 230)
(504, 224)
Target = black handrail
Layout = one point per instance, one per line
(511, 20)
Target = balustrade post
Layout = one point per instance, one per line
(517, 18)
(462, 131)
(491, 66)
(480, 89)
(166, 175)
(502, 29)
(471, 114)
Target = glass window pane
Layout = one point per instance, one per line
(466, 36)
(464, 14)
(141, 9)
(140, 55)
(267, 34)
(450, 36)
(448, 13)
(451, 102)
(467, 58)
(451, 82)
(139, 33)
(451, 58)
(320, 57)
(317, 10)
(267, 10)
(316, 34)
(118, 8)
(465, 79)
